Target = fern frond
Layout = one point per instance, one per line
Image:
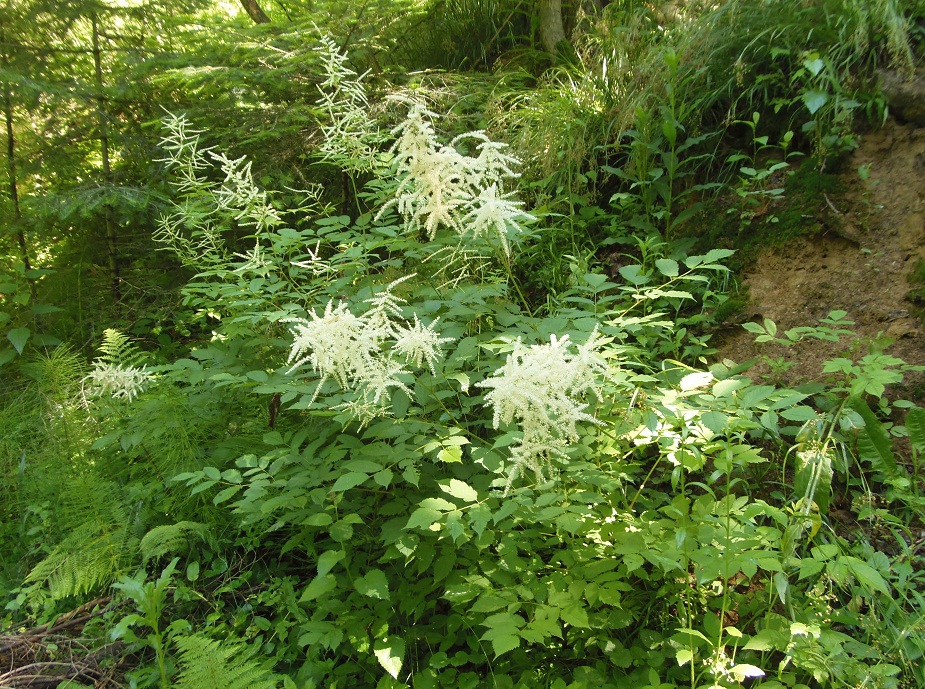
(211, 664)
(96, 550)
(118, 350)
(89, 559)
(172, 539)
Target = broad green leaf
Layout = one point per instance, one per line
(764, 640)
(450, 455)
(18, 338)
(814, 65)
(461, 490)
(328, 559)
(349, 480)
(814, 100)
(390, 653)
(319, 519)
(503, 643)
(439, 504)
(684, 656)
(575, 615)
(373, 584)
(634, 274)
(799, 413)
(400, 403)
(318, 586)
(868, 577)
(667, 267)
(423, 518)
(225, 494)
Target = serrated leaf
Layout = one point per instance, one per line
(503, 643)
(423, 518)
(373, 584)
(390, 653)
(667, 267)
(225, 494)
(349, 480)
(461, 490)
(18, 337)
(575, 615)
(915, 424)
(439, 504)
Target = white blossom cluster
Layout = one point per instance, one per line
(193, 230)
(367, 352)
(349, 131)
(541, 389)
(117, 381)
(439, 186)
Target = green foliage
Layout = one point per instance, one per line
(396, 455)
(210, 664)
(92, 554)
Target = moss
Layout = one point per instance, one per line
(916, 294)
(756, 223)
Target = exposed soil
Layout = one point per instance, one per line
(872, 240)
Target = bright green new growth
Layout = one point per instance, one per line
(210, 664)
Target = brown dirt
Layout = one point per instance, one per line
(861, 262)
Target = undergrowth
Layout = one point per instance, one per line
(456, 439)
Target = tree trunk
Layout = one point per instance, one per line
(255, 12)
(112, 237)
(552, 31)
(11, 172)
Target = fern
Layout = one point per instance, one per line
(91, 557)
(118, 350)
(96, 549)
(211, 664)
(172, 538)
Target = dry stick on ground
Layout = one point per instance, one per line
(25, 650)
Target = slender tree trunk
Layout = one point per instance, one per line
(552, 31)
(255, 12)
(11, 172)
(112, 237)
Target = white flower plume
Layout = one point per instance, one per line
(540, 387)
(441, 187)
(367, 353)
(420, 343)
(117, 381)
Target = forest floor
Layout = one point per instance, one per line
(867, 258)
